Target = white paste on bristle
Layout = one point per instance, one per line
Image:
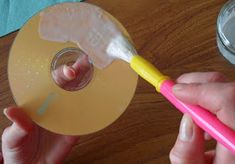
(121, 48)
(90, 27)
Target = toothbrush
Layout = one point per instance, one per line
(104, 39)
(121, 48)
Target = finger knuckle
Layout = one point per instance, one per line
(230, 91)
(227, 95)
(196, 89)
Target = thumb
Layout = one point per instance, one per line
(14, 135)
(218, 98)
(64, 74)
(189, 146)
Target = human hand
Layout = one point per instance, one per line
(210, 91)
(25, 142)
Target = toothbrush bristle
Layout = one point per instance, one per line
(121, 48)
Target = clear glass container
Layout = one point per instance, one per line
(226, 31)
(73, 57)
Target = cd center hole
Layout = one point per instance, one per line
(71, 69)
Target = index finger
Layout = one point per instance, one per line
(201, 77)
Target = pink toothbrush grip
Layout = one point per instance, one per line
(203, 118)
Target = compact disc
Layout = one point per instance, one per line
(84, 111)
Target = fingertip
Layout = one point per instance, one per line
(14, 135)
(186, 128)
(5, 111)
(180, 79)
(178, 87)
(216, 77)
(189, 145)
(9, 111)
(19, 118)
(69, 72)
(81, 62)
(188, 93)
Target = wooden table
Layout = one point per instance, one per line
(177, 36)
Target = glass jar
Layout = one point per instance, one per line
(226, 31)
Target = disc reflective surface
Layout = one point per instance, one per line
(84, 111)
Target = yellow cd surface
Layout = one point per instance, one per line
(80, 112)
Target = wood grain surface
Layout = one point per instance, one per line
(177, 36)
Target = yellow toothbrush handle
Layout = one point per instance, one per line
(147, 71)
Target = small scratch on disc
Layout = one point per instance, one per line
(51, 96)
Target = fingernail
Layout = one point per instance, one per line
(5, 111)
(186, 128)
(178, 87)
(180, 78)
(69, 72)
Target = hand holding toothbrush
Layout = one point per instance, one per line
(210, 91)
